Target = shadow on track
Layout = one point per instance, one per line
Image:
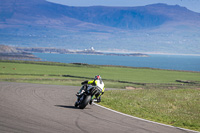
(69, 107)
(64, 106)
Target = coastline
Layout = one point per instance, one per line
(148, 53)
(183, 63)
(90, 51)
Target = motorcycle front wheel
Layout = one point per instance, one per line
(85, 102)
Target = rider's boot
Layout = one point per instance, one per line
(99, 99)
(91, 101)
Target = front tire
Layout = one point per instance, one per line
(85, 102)
(76, 104)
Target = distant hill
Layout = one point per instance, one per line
(151, 28)
(7, 49)
(11, 53)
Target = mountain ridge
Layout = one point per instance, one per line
(151, 28)
(117, 17)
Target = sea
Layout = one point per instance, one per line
(170, 62)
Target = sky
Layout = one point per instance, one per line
(193, 5)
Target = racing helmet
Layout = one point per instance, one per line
(97, 77)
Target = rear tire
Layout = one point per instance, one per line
(85, 102)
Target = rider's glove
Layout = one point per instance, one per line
(84, 82)
(102, 93)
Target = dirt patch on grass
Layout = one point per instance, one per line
(133, 88)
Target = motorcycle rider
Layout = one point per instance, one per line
(96, 82)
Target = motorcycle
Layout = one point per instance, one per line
(86, 95)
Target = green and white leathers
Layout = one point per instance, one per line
(98, 83)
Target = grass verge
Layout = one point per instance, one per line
(176, 107)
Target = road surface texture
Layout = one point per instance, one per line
(36, 108)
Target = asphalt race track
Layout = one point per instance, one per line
(36, 108)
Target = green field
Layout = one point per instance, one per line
(155, 94)
(72, 74)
